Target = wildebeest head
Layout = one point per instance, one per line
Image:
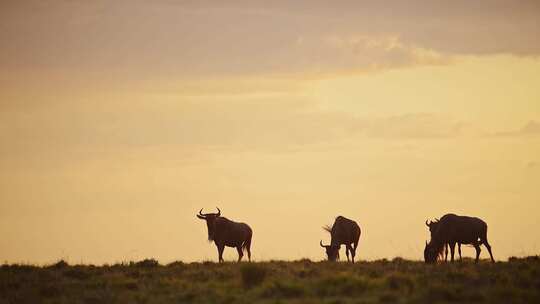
(210, 219)
(431, 253)
(432, 225)
(332, 252)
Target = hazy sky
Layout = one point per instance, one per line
(119, 120)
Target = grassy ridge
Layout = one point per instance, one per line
(396, 281)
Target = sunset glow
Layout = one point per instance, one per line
(119, 120)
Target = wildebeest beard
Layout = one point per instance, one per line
(210, 231)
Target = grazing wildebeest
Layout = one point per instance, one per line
(457, 229)
(225, 232)
(343, 232)
(433, 225)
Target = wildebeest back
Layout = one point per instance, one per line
(233, 234)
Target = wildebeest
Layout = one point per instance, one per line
(454, 229)
(225, 232)
(343, 232)
(433, 225)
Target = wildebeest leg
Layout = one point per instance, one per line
(220, 249)
(459, 250)
(489, 249)
(248, 248)
(477, 247)
(452, 251)
(240, 253)
(353, 252)
(348, 248)
(355, 246)
(446, 252)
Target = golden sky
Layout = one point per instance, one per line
(119, 120)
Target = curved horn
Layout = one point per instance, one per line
(201, 215)
(322, 244)
(427, 223)
(219, 211)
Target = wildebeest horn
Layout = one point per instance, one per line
(201, 215)
(322, 244)
(219, 211)
(427, 223)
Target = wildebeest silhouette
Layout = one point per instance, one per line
(433, 225)
(343, 232)
(454, 229)
(225, 232)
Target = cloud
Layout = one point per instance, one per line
(532, 128)
(208, 124)
(531, 164)
(380, 52)
(139, 39)
(414, 126)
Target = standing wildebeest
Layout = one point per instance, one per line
(343, 232)
(457, 229)
(225, 232)
(433, 225)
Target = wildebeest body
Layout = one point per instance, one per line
(226, 233)
(454, 229)
(230, 233)
(343, 232)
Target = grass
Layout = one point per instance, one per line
(252, 274)
(396, 281)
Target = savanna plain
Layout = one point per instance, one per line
(382, 281)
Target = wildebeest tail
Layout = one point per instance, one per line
(327, 228)
(357, 238)
(483, 232)
(247, 242)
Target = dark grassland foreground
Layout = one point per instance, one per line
(396, 281)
